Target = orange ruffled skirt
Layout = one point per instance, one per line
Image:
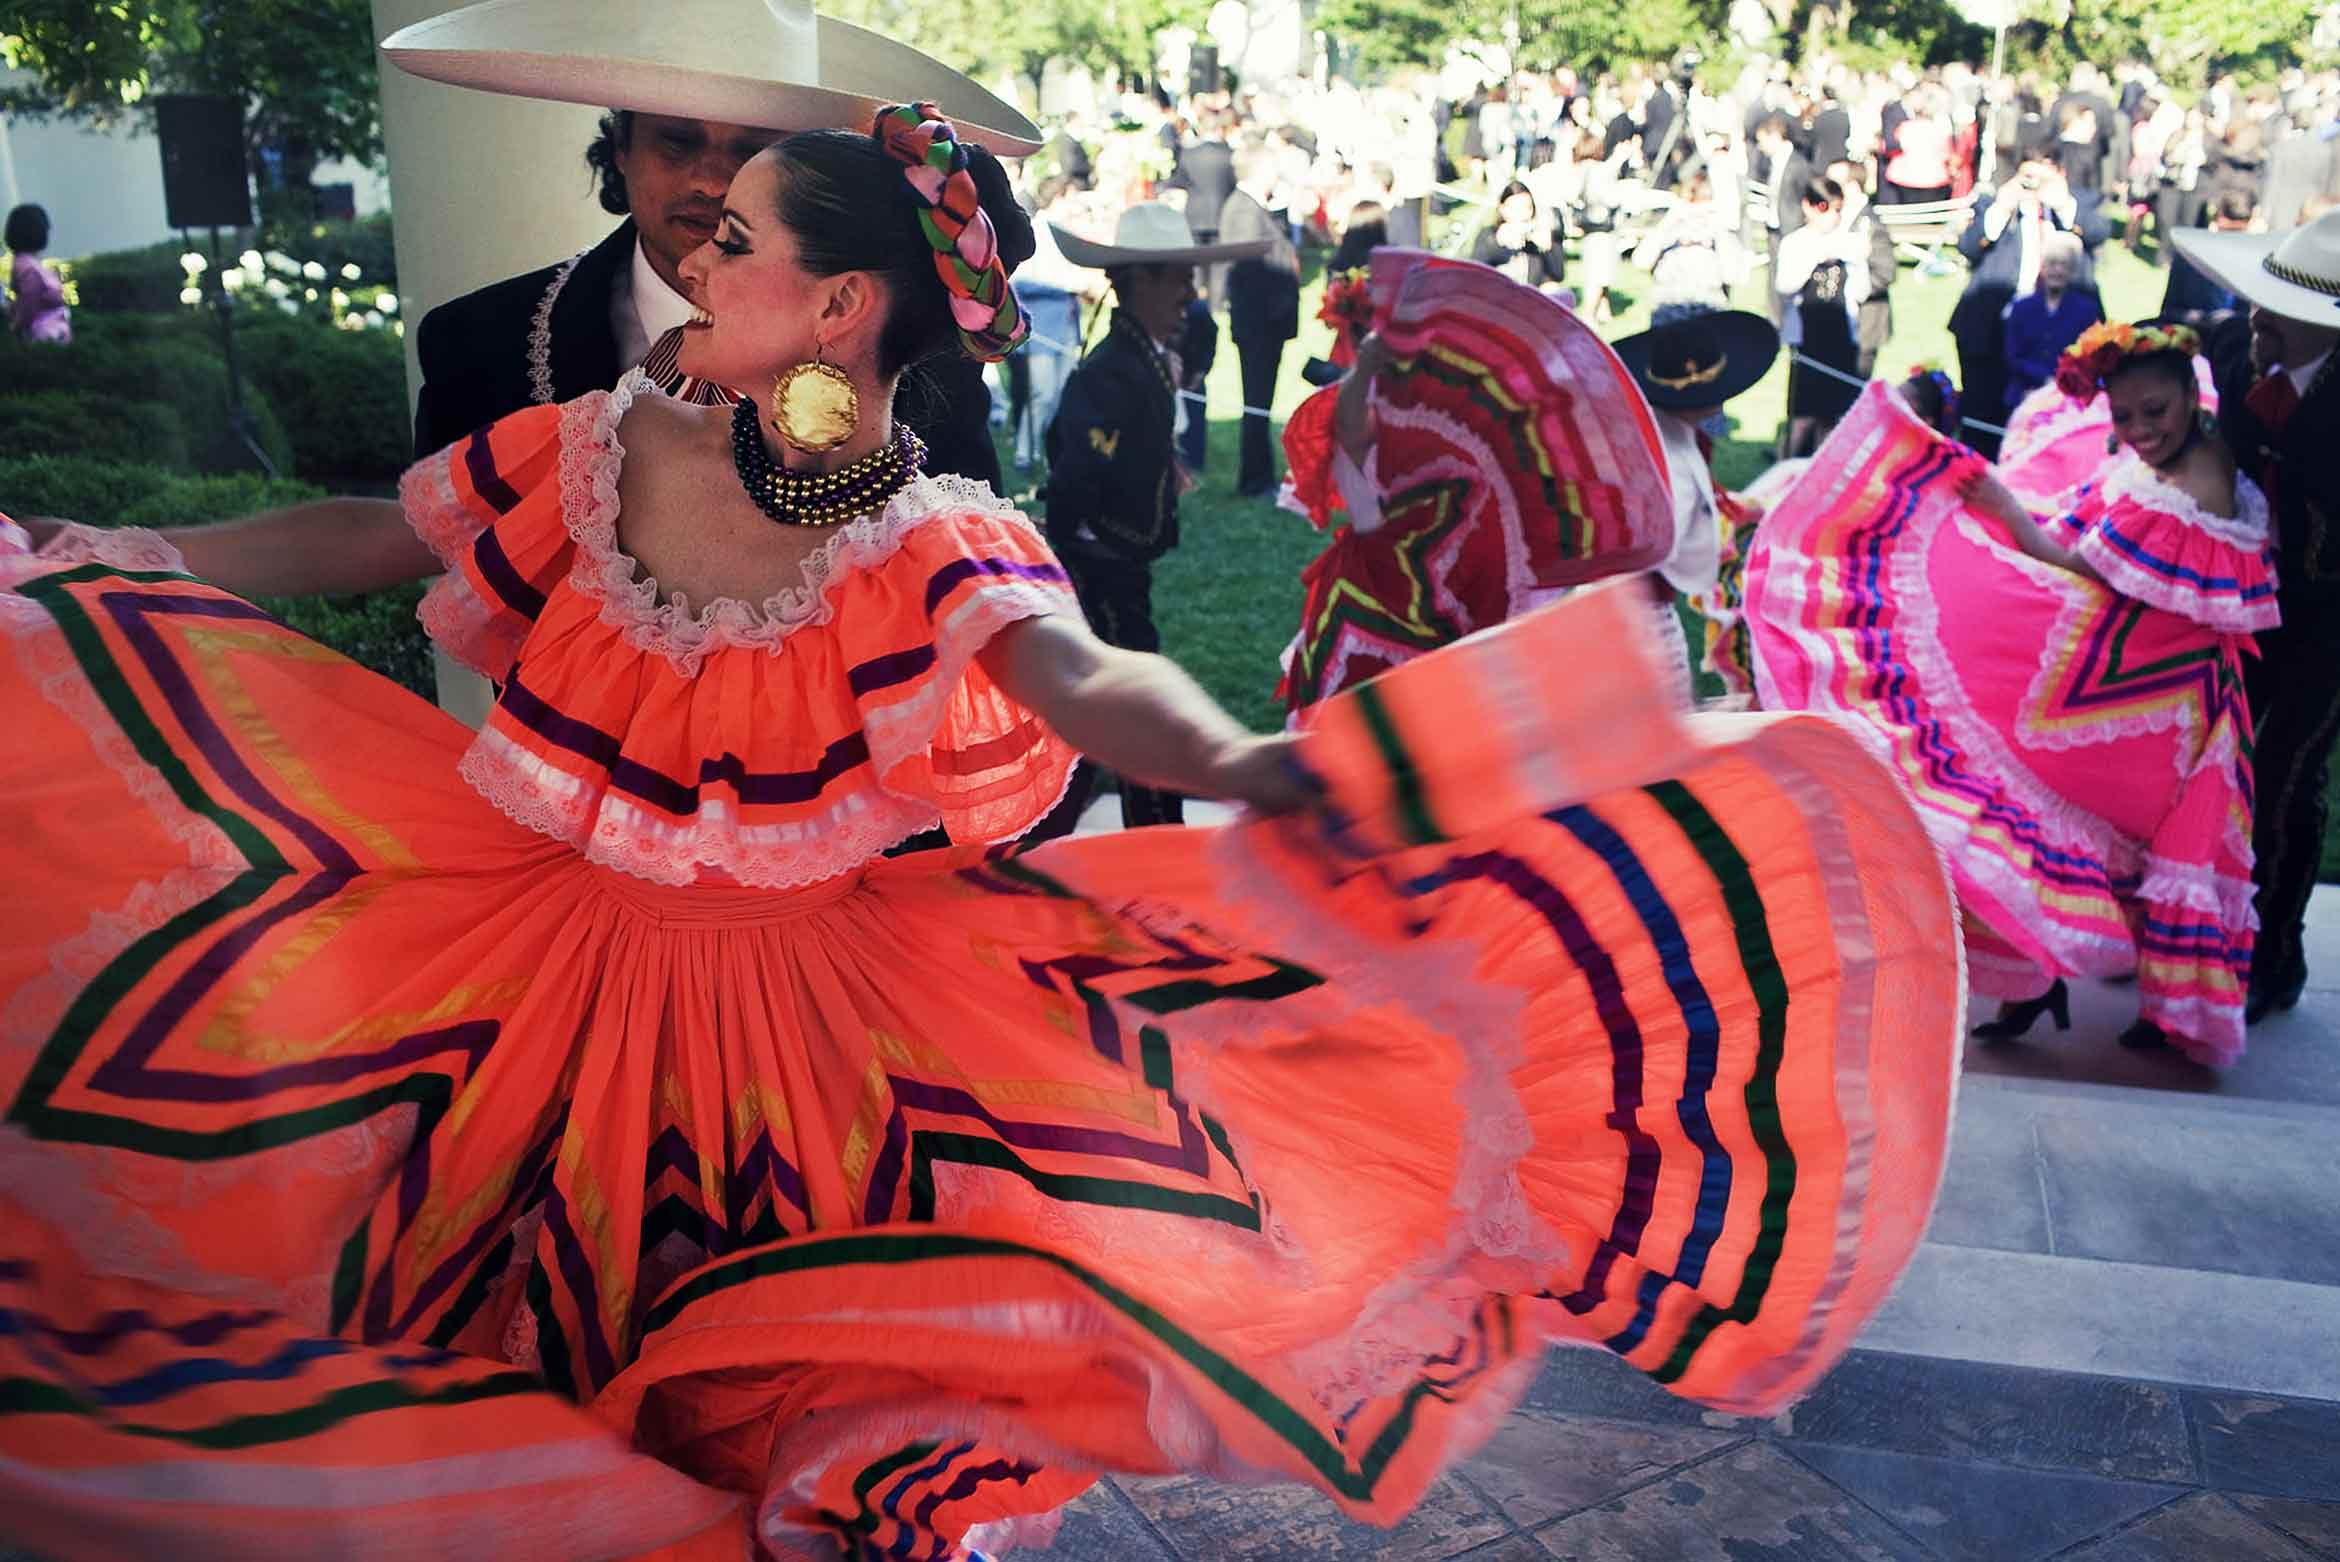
(379, 1178)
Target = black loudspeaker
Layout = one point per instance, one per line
(1202, 72)
(204, 181)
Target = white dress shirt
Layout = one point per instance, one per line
(642, 308)
(2304, 375)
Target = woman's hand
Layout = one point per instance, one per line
(1981, 489)
(1259, 773)
(1374, 357)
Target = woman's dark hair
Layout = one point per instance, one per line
(1823, 193)
(1927, 399)
(617, 133)
(1367, 230)
(28, 230)
(2179, 367)
(850, 209)
(1517, 188)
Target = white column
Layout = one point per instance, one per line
(482, 187)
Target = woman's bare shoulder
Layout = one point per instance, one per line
(2207, 476)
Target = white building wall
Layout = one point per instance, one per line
(103, 188)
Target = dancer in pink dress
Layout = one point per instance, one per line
(2063, 695)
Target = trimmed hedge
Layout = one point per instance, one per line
(379, 631)
(161, 363)
(342, 395)
(130, 281)
(148, 281)
(97, 426)
(367, 242)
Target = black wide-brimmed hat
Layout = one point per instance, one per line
(1700, 362)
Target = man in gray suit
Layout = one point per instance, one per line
(2303, 164)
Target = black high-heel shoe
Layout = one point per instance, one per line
(2144, 1036)
(2015, 1020)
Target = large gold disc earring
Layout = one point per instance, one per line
(815, 407)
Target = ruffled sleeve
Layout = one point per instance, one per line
(1309, 444)
(941, 734)
(489, 505)
(2153, 543)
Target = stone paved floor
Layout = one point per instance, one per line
(1895, 1457)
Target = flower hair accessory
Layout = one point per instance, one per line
(991, 321)
(1946, 388)
(1348, 302)
(2102, 348)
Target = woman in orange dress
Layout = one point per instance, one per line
(576, 1139)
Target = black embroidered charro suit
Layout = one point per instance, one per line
(479, 358)
(1113, 508)
(2295, 684)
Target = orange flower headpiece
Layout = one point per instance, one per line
(2104, 347)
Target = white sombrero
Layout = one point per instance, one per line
(769, 63)
(1152, 233)
(2294, 273)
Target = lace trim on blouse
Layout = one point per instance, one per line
(591, 457)
(2246, 531)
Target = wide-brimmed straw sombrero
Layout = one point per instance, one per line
(768, 63)
(2294, 273)
(1700, 362)
(1152, 233)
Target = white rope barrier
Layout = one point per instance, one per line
(1831, 372)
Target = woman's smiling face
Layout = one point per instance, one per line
(756, 302)
(2152, 411)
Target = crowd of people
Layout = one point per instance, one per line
(1562, 180)
(723, 1105)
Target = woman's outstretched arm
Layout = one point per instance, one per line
(1139, 714)
(338, 546)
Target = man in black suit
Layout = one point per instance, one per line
(2004, 244)
(2279, 408)
(2192, 297)
(1830, 133)
(1206, 172)
(1114, 480)
(553, 335)
(1263, 313)
(1661, 146)
(2087, 92)
(1785, 172)
(1071, 155)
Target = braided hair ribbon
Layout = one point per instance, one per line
(991, 320)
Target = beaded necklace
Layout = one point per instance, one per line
(820, 498)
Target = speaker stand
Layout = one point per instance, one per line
(222, 308)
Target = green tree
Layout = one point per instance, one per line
(1393, 34)
(2187, 41)
(1114, 38)
(1588, 34)
(303, 69)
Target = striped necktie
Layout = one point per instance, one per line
(663, 363)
